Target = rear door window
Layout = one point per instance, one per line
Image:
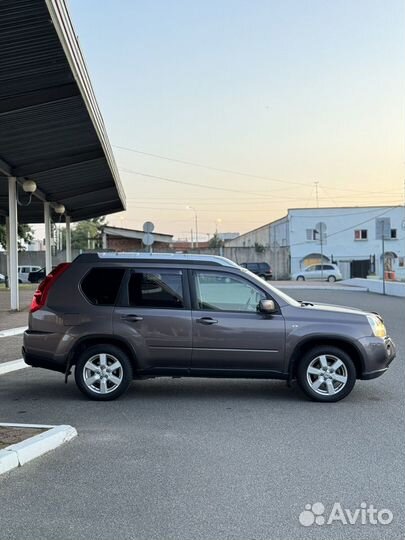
(101, 285)
(156, 289)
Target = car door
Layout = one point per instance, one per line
(154, 316)
(229, 333)
(310, 272)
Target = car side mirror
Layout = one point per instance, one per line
(267, 306)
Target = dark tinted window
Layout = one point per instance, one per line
(101, 285)
(253, 267)
(156, 288)
(264, 267)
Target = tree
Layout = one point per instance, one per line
(215, 242)
(87, 234)
(25, 235)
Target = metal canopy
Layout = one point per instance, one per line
(51, 129)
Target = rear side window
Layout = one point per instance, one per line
(101, 285)
(158, 289)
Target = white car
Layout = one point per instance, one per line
(24, 272)
(328, 272)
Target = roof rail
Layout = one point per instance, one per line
(174, 258)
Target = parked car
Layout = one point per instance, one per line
(2, 278)
(25, 271)
(114, 317)
(329, 272)
(261, 269)
(38, 275)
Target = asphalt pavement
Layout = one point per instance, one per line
(210, 459)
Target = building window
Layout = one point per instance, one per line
(312, 234)
(401, 262)
(360, 234)
(393, 234)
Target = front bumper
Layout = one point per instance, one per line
(378, 355)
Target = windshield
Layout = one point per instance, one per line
(272, 290)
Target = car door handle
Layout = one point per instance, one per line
(207, 320)
(133, 318)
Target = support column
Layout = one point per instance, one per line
(48, 238)
(68, 240)
(12, 243)
(8, 251)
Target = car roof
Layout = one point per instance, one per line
(171, 258)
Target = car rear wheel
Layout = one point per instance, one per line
(103, 372)
(331, 279)
(326, 374)
(300, 278)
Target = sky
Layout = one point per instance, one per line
(277, 94)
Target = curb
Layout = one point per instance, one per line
(18, 454)
(13, 365)
(351, 288)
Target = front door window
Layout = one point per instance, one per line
(223, 292)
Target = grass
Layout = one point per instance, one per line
(21, 286)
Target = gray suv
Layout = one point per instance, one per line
(115, 317)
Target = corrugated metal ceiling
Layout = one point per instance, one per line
(46, 131)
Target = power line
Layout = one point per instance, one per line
(206, 186)
(231, 171)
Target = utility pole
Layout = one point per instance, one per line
(316, 194)
(196, 224)
(383, 262)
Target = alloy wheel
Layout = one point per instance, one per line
(103, 373)
(327, 374)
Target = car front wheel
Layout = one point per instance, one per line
(326, 374)
(300, 278)
(103, 372)
(331, 279)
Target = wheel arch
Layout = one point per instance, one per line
(88, 341)
(317, 341)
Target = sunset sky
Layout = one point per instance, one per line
(286, 92)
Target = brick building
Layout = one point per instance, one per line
(120, 239)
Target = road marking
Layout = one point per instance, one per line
(13, 365)
(13, 331)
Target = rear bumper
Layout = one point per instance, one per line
(42, 349)
(379, 353)
(44, 362)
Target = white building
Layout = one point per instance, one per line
(349, 239)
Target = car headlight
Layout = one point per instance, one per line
(377, 326)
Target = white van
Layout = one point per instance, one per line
(24, 272)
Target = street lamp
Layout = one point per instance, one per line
(196, 224)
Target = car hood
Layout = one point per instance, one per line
(334, 308)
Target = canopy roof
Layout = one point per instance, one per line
(51, 129)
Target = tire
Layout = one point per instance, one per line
(300, 278)
(90, 365)
(331, 279)
(312, 368)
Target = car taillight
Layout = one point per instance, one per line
(41, 294)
